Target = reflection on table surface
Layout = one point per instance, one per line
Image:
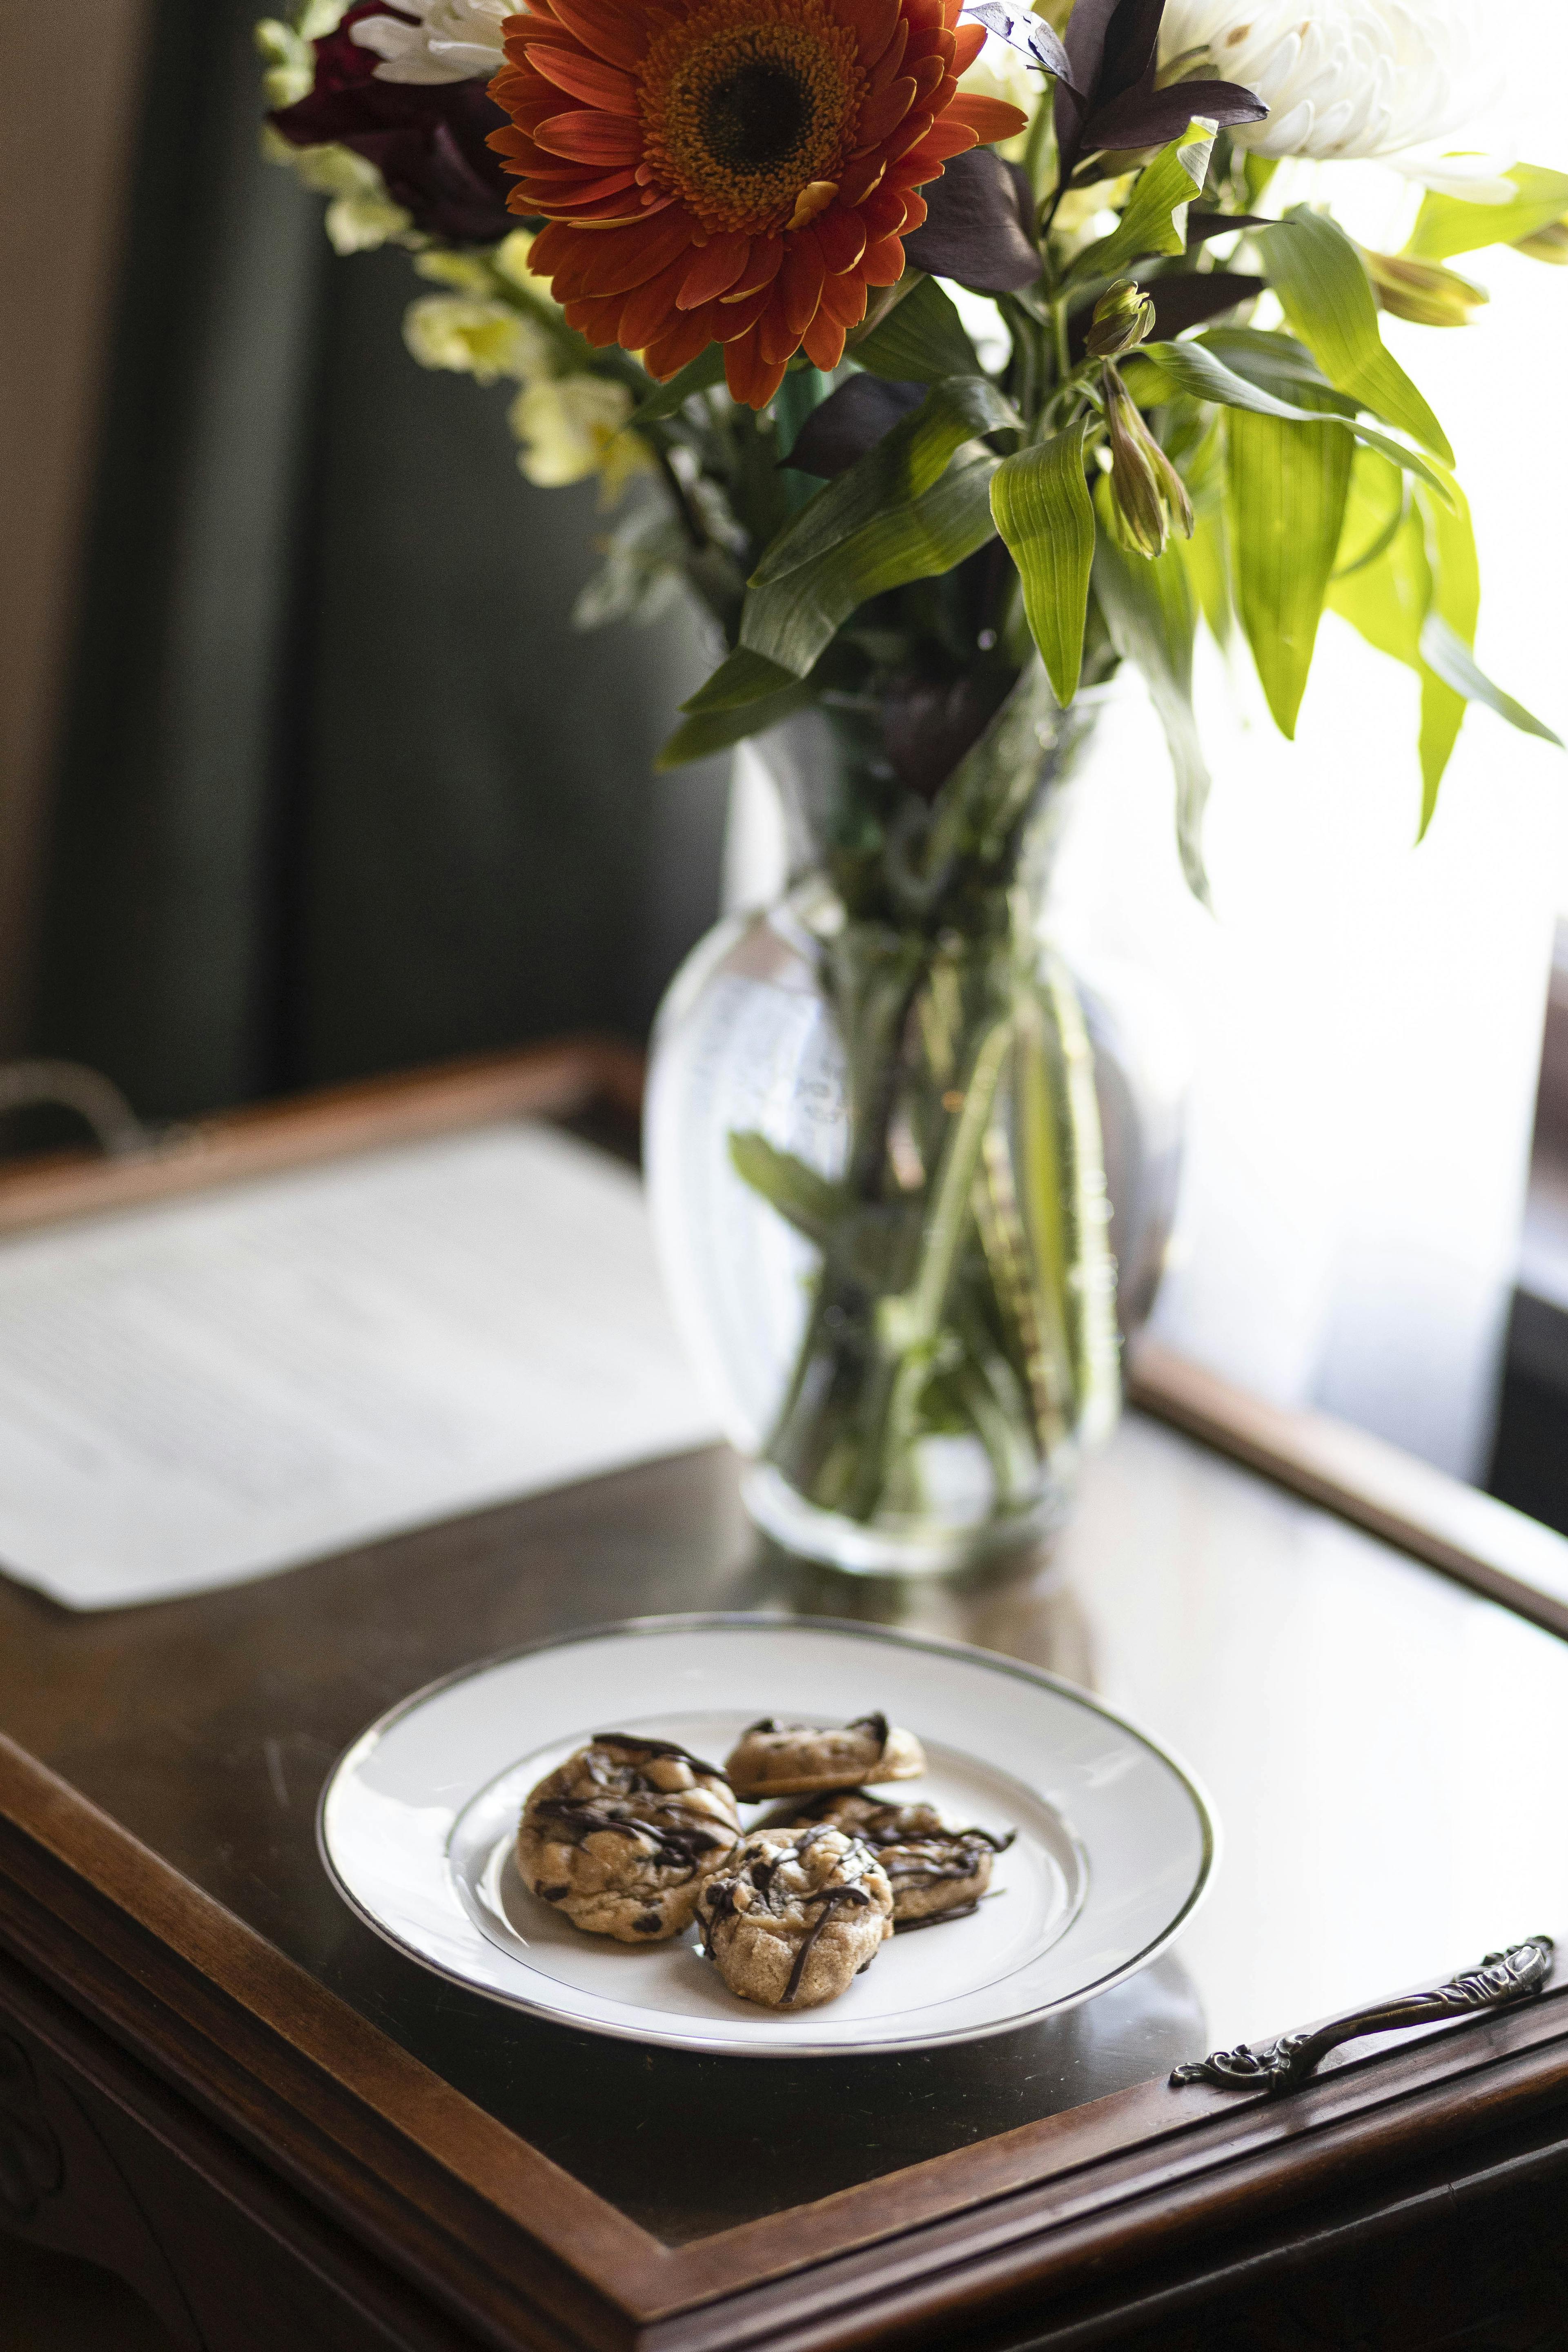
(1380, 1748)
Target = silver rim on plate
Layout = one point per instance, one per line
(538, 1992)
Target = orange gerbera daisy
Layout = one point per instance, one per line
(732, 170)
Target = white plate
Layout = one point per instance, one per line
(1115, 1841)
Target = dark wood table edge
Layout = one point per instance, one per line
(515, 2250)
(487, 2228)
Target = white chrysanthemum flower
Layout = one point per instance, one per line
(571, 427)
(1341, 79)
(453, 40)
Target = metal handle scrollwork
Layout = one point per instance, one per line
(1501, 1979)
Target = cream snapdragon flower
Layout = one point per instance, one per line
(472, 336)
(453, 40)
(571, 426)
(1342, 79)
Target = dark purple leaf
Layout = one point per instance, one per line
(929, 722)
(1182, 298)
(1111, 46)
(1201, 226)
(1045, 44)
(974, 229)
(1153, 118)
(849, 422)
(428, 140)
(1186, 298)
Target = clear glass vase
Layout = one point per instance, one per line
(874, 1167)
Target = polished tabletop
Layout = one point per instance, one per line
(1382, 1747)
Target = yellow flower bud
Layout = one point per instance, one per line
(1549, 244)
(1422, 292)
(1149, 497)
(1123, 317)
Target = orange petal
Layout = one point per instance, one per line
(844, 299)
(859, 178)
(884, 263)
(800, 281)
(650, 309)
(589, 78)
(620, 259)
(718, 266)
(878, 116)
(778, 340)
(678, 347)
(883, 214)
(760, 269)
(597, 321)
(742, 360)
(586, 136)
(891, 59)
(925, 161)
(872, 22)
(611, 33)
(929, 76)
(990, 119)
(841, 234)
(733, 320)
(823, 341)
(967, 44)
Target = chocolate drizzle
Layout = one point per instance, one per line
(635, 1747)
(581, 1817)
(827, 1898)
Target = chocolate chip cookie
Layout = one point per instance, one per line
(798, 1759)
(623, 1835)
(936, 1871)
(792, 1917)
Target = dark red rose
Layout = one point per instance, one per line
(426, 139)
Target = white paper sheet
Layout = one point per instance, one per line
(206, 1392)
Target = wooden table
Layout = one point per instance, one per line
(285, 2135)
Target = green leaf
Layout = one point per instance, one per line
(707, 368)
(1286, 501)
(921, 340)
(903, 464)
(1193, 369)
(1276, 362)
(1445, 652)
(1153, 620)
(1417, 603)
(1446, 225)
(1327, 296)
(698, 738)
(1456, 600)
(808, 1201)
(790, 621)
(1208, 566)
(1155, 219)
(1041, 504)
(743, 678)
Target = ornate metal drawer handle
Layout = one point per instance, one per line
(1502, 1977)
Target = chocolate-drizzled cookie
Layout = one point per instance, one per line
(792, 1917)
(798, 1759)
(623, 1835)
(936, 1871)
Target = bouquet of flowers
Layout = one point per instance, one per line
(949, 355)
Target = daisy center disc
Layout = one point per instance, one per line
(745, 103)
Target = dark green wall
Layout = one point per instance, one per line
(340, 789)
